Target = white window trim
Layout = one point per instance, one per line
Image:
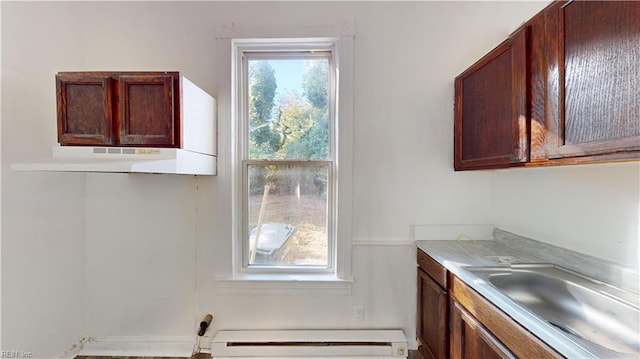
(229, 178)
(244, 50)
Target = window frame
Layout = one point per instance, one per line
(243, 51)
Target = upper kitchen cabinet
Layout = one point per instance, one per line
(490, 127)
(148, 110)
(563, 89)
(85, 109)
(593, 61)
(134, 109)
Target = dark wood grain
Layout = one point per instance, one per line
(486, 101)
(581, 97)
(602, 78)
(490, 127)
(537, 83)
(594, 102)
(432, 318)
(434, 269)
(512, 335)
(119, 108)
(146, 110)
(84, 110)
(471, 340)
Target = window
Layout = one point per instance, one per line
(286, 155)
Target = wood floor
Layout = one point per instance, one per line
(413, 354)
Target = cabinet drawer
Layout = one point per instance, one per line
(432, 268)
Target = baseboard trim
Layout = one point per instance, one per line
(164, 346)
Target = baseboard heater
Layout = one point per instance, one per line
(309, 344)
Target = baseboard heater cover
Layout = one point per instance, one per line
(309, 344)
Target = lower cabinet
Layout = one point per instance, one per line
(432, 318)
(470, 339)
(454, 321)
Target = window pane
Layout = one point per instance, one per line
(288, 108)
(290, 203)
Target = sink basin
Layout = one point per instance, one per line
(603, 319)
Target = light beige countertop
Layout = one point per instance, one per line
(506, 248)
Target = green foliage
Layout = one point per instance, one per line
(262, 91)
(294, 121)
(264, 138)
(315, 83)
(314, 142)
(298, 127)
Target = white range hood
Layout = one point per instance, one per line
(124, 160)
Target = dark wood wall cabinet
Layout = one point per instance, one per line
(454, 321)
(140, 109)
(490, 107)
(562, 89)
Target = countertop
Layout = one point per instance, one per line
(506, 248)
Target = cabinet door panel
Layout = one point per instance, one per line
(491, 113)
(147, 110)
(512, 335)
(594, 97)
(84, 110)
(432, 317)
(471, 340)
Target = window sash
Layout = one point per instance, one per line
(291, 51)
(331, 218)
(247, 55)
(288, 55)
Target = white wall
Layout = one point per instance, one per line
(592, 209)
(43, 259)
(122, 255)
(406, 56)
(140, 255)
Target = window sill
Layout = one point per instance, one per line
(327, 284)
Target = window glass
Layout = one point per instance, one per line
(288, 108)
(289, 205)
(287, 161)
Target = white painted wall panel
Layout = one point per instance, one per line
(42, 214)
(384, 277)
(42, 263)
(592, 209)
(140, 254)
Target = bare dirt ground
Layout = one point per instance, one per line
(308, 245)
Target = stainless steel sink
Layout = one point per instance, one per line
(603, 319)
